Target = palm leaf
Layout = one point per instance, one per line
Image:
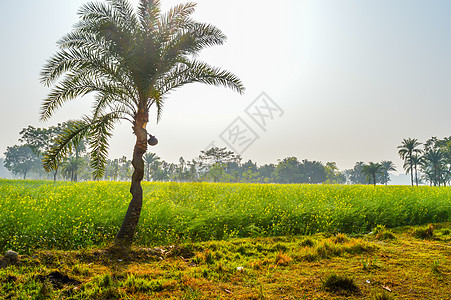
(65, 143)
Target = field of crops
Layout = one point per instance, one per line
(47, 215)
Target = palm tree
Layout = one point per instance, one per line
(371, 170)
(387, 166)
(150, 159)
(131, 61)
(434, 163)
(407, 149)
(70, 167)
(416, 161)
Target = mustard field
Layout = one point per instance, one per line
(63, 215)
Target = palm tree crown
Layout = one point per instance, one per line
(434, 164)
(408, 149)
(387, 166)
(371, 170)
(131, 61)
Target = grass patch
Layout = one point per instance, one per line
(424, 232)
(382, 233)
(245, 268)
(339, 284)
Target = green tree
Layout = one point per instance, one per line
(267, 173)
(20, 160)
(214, 162)
(371, 170)
(333, 174)
(406, 151)
(287, 171)
(131, 61)
(434, 164)
(71, 166)
(355, 174)
(387, 166)
(150, 159)
(312, 172)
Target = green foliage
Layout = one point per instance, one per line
(20, 160)
(62, 215)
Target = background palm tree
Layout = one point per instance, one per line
(407, 149)
(387, 166)
(371, 170)
(131, 61)
(416, 161)
(71, 166)
(434, 163)
(150, 159)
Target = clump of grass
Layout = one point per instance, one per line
(382, 233)
(137, 284)
(309, 257)
(45, 291)
(436, 266)
(384, 296)
(340, 238)
(106, 281)
(282, 259)
(445, 231)
(206, 256)
(78, 269)
(307, 242)
(369, 264)
(424, 233)
(328, 249)
(339, 284)
(280, 247)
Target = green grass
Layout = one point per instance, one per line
(315, 267)
(46, 215)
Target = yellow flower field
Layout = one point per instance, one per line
(62, 215)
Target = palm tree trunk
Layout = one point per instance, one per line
(411, 173)
(416, 175)
(125, 235)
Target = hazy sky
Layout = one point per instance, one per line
(348, 79)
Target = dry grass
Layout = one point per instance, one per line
(261, 268)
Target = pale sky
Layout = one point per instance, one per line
(353, 78)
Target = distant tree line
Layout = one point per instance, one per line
(429, 162)
(212, 165)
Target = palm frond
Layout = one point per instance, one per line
(126, 13)
(99, 135)
(198, 72)
(65, 143)
(148, 13)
